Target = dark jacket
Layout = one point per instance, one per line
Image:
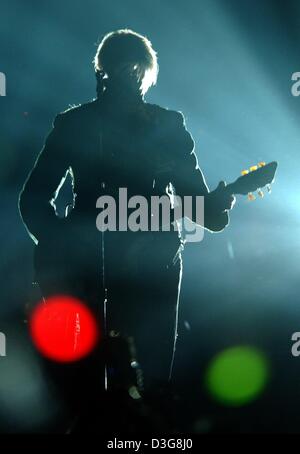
(143, 150)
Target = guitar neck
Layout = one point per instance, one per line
(232, 189)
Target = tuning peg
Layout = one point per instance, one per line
(260, 192)
(251, 196)
(253, 168)
(269, 189)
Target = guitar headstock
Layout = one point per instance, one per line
(257, 177)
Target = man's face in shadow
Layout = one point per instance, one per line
(126, 78)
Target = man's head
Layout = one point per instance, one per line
(128, 60)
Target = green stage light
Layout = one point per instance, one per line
(237, 375)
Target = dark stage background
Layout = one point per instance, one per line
(227, 65)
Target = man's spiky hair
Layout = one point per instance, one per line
(128, 47)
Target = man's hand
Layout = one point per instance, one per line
(216, 206)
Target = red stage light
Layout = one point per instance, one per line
(63, 329)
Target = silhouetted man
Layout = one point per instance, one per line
(118, 141)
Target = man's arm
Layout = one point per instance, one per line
(42, 184)
(188, 179)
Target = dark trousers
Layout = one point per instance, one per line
(130, 282)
